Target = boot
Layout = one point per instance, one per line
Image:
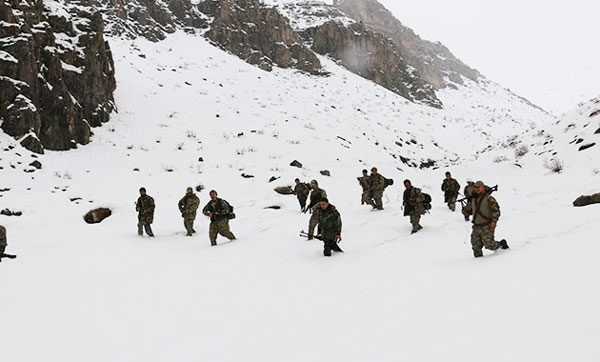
(503, 244)
(327, 252)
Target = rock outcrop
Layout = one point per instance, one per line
(586, 200)
(432, 61)
(372, 56)
(56, 74)
(258, 34)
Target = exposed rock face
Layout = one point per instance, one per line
(97, 215)
(433, 61)
(258, 34)
(56, 74)
(372, 56)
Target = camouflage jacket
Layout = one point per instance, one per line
(217, 206)
(2, 236)
(330, 223)
(469, 190)
(413, 201)
(484, 208)
(188, 205)
(365, 182)
(451, 187)
(316, 196)
(145, 207)
(377, 182)
(301, 189)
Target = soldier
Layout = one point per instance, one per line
(145, 208)
(377, 186)
(451, 188)
(301, 191)
(3, 244)
(469, 191)
(486, 212)
(315, 197)
(188, 206)
(330, 227)
(365, 183)
(413, 205)
(218, 210)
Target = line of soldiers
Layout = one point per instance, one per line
(218, 210)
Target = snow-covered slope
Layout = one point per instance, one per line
(81, 292)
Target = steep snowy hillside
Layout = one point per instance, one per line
(190, 115)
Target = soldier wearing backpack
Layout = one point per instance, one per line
(301, 191)
(486, 212)
(451, 187)
(413, 205)
(187, 206)
(219, 212)
(365, 184)
(378, 184)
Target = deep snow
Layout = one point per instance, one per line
(81, 292)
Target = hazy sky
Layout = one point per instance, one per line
(547, 51)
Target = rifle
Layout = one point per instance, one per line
(466, 199)
(304, 234)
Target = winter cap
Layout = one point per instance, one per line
(313, 182)
(448, 173)
(324, 199)
(212, 192)
(365, 171)
(374, 169)
(479, 184)
(189, 189)
(142, 189)
(469, 179)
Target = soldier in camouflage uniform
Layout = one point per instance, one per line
(315, 197)
(301, 190)
(188, 206)
(145, 208)
(469, 190)
(3, 244)
(330, 227)
(413, 205)
(486, 212)
(365, 183)
(377, 186)
(218, 210)
(451, 188)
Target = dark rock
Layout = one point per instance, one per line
(258, 34)
(587, 200)
(8, 212)
(284, 190)
(97, 215)
(372, 56)
(325, 173)
(36, 164)
(428, 164)
(595, 113)
(274, 207)
(247, 176)
(597, 131)
(296, 164)
(585, 147)
(73, 199)
(273, 178)
(199, 188)
(54, 90)
(200, 159)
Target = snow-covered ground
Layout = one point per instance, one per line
(80, 292)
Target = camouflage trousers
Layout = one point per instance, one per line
(2, 236)
(483, 236)
(145, 225)
(188, 223)
(366, 198)
(330, 245)
(313, 222)
(378, 196)
(414, 221)
(451, 201)
(219, 227)
(302, 200)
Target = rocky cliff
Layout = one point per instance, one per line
(56, 74)
(433, 61)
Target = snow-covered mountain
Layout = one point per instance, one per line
(188, 113)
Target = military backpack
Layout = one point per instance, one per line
(426, 201)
